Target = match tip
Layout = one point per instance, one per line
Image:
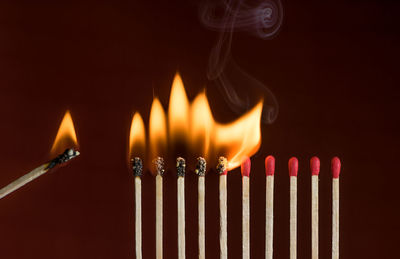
(180, 166)
(158, 163)
(314, 165)
(245, 167)
(293, 166)
(201, 166)
(335, 167)
(68, 154)
(269, 165)
(222, 165)
(137, 166)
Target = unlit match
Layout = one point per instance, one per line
(335, 168)
(35, 173)
(315, 168)
(159, 168)
(223, 235)
(293, 168)
(180, 170)
(245, 169)
(201, 172)
(269, 206)
(137, 167)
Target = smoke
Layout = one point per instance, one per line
(262, 19)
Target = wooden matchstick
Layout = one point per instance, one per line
(35, 173)
(245, 169)
(159, 168)
(180, 168)
(335, 168)
(201, 172)
(293, 167)
(315, 167)
(223, 235)
(137, 167)
(269, 206)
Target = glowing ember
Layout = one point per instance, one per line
(66, 136)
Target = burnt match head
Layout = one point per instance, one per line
(63, 158)
(222, 165)
(335, 167)
(200, 166)
(293, 166)
(137, 166)
(245, 167)
(269, 165)
(180, 167)
(314, 165)
(158, 163)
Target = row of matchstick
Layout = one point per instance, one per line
(222, 171)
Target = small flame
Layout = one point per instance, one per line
(137, 137)
(158, 130)
(66, 136)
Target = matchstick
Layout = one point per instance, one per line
(223, 235)
(35, 173)
(137, 167)
(201, 172)
(293, 167)
(180, 169)
(269, 206)
(159, 168)
(335, 168)
(245, 169)
(315, 167)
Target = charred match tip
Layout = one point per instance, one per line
(245, 167)
(314, 165)
(269, 165)
(159, 165)
(137, 166)
(200, 166)
(335, 167)
(222, 165)
(68, 154)
(293, 166)
(180, 166)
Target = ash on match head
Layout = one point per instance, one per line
(159, 165)
(68, 154)
(222, 165)
(200, 167)
(137, 166)
(180, 166)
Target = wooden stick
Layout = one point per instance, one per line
(180, 165)
(245, 169)
(315, 167)
(269, 206)
(293, 166)
(138, 217)
(335, 168)
(35, 173)
(200, 171)
(159, 168)
(223, 238)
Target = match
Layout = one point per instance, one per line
(315, 168)
(201, 172)
(159, 168)
(269, 206)
(35, 173)
(223, 235)
(180, 170)
(335, 168)
(137, 167)
(245, 169)
(293, 168)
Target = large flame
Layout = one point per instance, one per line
(66, 136)
(157, 130)
(137, 137)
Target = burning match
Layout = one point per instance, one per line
(159, 168)
(201, 172)
(65, 136)
(315, 167)
(180, 170)
(245, 169)
(223, 235)
(335, 168)
(293, 167)
(269, 206)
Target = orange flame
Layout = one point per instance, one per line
(137, 137)
(158, 129)
(66, 136)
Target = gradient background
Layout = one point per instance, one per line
(332, 68)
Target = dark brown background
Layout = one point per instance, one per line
(332, 68)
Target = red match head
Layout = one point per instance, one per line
(335, 167)
(269, 165)
(293, 166)
(245, 167)
(314, 165)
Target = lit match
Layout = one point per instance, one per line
(201, 172)
(223, 235)
(65, 137)
(180, 170)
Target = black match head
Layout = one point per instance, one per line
(180, 167)
(200, 167)
(137, 166)
(68, 154)
(222, 165)
(159, 165)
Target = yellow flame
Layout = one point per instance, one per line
(66, 136)
(137, 137)
(158, 129)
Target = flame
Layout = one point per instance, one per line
(137, 137)
(158, 129)
(66, 136)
